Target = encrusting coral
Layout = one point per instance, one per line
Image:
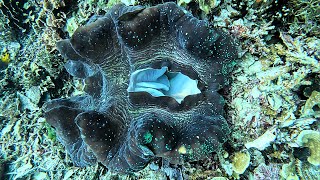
(151, 79)
(311, 139)
(241, 161)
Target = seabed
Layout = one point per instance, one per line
(272, 103)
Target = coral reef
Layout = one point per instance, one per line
(172, 110)
(273, 91)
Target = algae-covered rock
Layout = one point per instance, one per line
(308, 108)
(208, 5)
(71, 25)
(240, 162)
(311, 139)
(205, 5)
(288, 171)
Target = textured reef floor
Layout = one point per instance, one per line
(272, 102)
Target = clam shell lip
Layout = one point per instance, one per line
(151, 79)
(160, 82)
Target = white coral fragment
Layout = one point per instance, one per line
(263, 141)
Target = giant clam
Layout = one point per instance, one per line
(151, 78)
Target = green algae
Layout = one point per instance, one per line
(51, 133)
